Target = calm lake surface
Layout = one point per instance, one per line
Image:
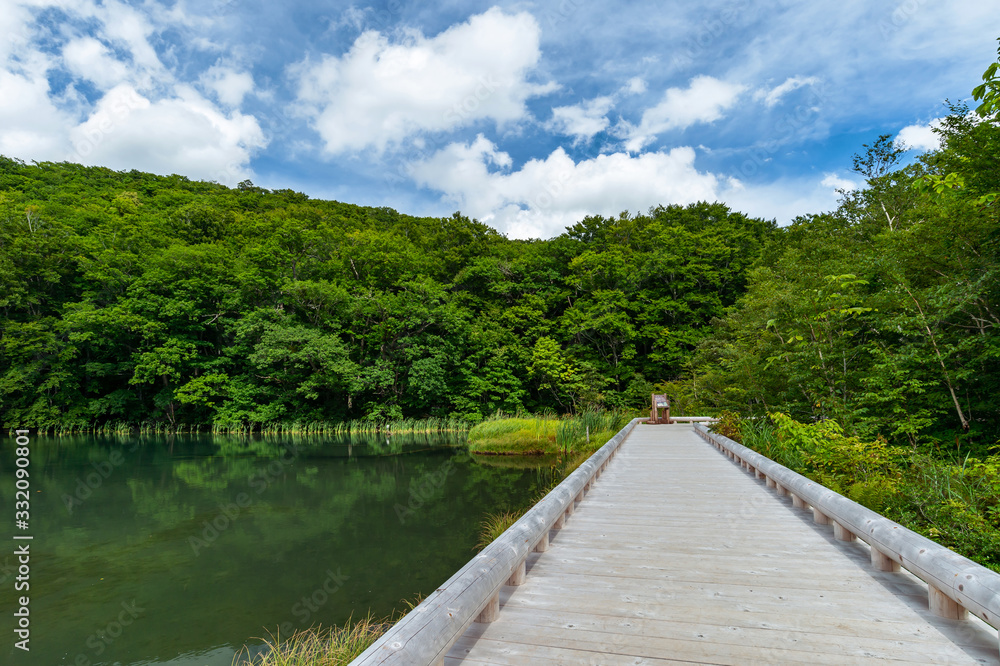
(180, 550)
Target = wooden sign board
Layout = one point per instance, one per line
(660, 401)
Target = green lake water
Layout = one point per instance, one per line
(180, 550)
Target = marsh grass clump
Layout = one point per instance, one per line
(496, 524)
(316, 646)
(590, 429)
(515, 435)
(520, 435)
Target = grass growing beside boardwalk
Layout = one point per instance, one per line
(517, 435)
(522, 435)
(571, 432)
(494, 525)
(317, 646)
(952, 499)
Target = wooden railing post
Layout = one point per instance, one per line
(820, 518)
(882, 562)
(956, 586)
(943, 606)
(841, 533)
(491, 611)
(517, 578)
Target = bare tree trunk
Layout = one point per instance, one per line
(947, 377)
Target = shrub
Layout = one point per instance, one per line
(729, 425)
(956, 504)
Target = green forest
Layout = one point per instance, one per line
(132, 298)
(881, 315)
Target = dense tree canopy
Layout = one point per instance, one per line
(882, 314)
(130, 297)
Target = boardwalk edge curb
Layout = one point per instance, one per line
(955, 583)
(426, 633)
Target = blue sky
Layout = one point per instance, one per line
(525, 115)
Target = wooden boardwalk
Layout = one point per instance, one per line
(677, 555)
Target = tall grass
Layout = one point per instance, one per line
(362, 426)
(115, 428)
(494, 525)
(521, 435)
(316, 646)
(590, 429)
(585, 431)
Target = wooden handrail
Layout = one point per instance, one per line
(955, 584)
(425, 634)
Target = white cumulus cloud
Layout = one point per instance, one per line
(229, 85)
(546, 195)
(31, 125)
(835, 182)
(183, 134)
(144, 118)
(635, 86)
(784, 199)
(89, 59)
(582, 121)
(703, 101)
(382, 92)
(920, 137)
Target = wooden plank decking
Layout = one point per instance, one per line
(677, 555)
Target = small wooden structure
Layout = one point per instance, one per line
(660, 401)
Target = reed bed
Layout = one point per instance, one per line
(361, 426)
(515, 435)
(519, 435)
(356, 427)
(118, 428)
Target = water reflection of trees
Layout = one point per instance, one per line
(309, 512)
(342, 445)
